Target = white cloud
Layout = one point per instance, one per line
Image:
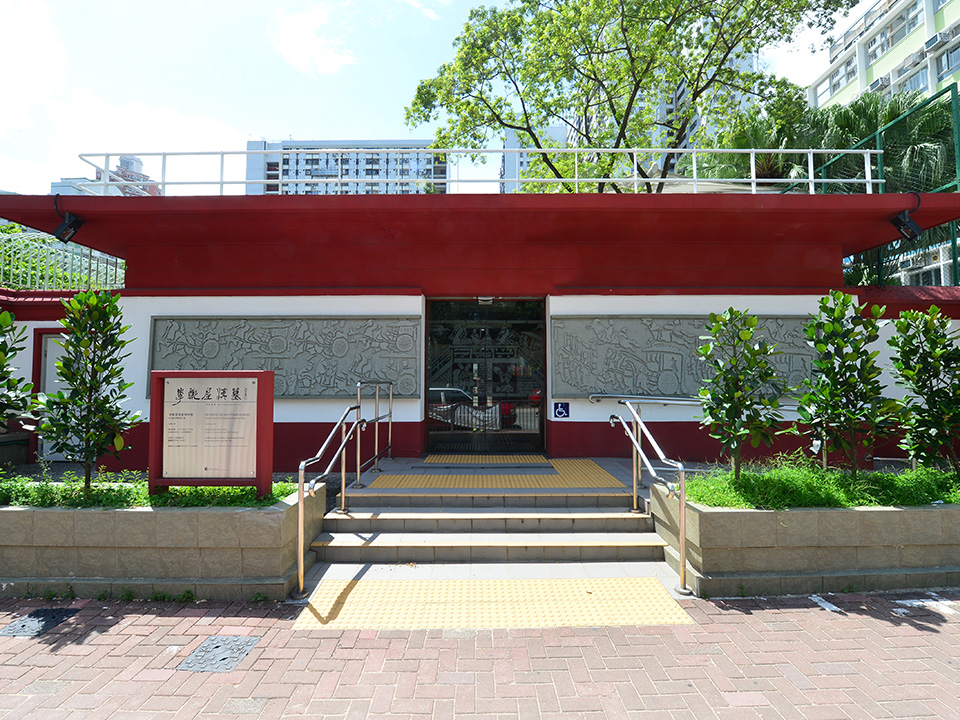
(33, 58)
(94, 125)
(424, 10)
(298, 39)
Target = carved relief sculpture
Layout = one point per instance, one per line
(312, 357)
(654, 355)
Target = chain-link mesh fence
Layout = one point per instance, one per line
(921, 153)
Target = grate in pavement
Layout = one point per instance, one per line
(38, 622)
(219, 653)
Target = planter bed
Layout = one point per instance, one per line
(217, 553)
(812, 550)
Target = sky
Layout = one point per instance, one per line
(94, 76)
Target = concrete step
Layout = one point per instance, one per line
(467, 520)
(387, 547)
(484, 498)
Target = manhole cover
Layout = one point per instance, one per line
(38, 622)
(219, 653)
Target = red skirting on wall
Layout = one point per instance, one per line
(292, 443)
(683, 441)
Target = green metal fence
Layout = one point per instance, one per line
(921, 153)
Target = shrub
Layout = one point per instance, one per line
(844, 404)
(741, 400)
(14, 391)
(87, 422)
(927, 364)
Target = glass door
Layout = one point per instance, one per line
(485, 375)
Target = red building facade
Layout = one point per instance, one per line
(528, 304)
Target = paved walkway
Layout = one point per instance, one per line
(843, 656)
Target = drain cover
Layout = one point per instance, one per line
(38, 622)
(219, 653)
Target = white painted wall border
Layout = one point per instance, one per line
(138, 312)
(582, 410)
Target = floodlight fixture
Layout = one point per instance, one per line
(906, 225)
(68, 228)
(71, 223)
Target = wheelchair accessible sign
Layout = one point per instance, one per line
(561, 410)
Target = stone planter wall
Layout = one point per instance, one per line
(216, 553)
(812, 550)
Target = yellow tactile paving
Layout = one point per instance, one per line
(486, 482)
(479, 604)
(569, 474)
(486, 459)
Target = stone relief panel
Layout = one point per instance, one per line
(654, 355)
(312, 357)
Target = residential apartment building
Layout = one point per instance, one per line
(515, 165)
(129, 170)
(897, 45)
(351, 167)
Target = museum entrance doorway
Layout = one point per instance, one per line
(486, 361)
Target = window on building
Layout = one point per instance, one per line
(839, 79)
(917, 81)
(939, 4)
(894, 31)
(948, 62)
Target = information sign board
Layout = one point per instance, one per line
(211, 428)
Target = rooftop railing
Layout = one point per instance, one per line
(37, 261)
(466, 170)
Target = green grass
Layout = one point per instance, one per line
(119, 490)
(795, 481)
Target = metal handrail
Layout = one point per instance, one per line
(635, 175)
(377, 417)
(665, 400)
(650, 399)
(341, 453)
(634, 435)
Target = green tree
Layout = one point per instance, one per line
(927, 364)
(602, 69)
(918, 155)
(88, 421)
(843, 404)
(740, 402)
(14, 391)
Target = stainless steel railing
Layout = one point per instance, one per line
(347, 432)
(377, 417)
(340, 454)
(635, 431)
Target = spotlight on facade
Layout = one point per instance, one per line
(905, 225)
(68, 228)
(71, 223)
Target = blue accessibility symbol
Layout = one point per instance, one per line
(561, 409)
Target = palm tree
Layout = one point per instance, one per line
(916, 136)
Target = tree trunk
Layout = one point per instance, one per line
(952, 454)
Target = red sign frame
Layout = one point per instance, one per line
(264, 465)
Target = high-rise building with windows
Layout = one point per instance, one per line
(350, 167)
(897, 45)
(127, 179)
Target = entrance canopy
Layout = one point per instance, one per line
(470, 245)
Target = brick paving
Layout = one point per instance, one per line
(890, 655)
